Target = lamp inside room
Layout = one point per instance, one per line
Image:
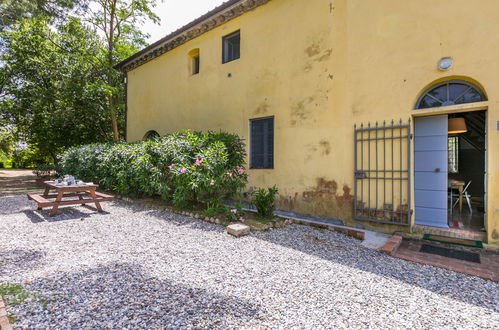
(457, 125)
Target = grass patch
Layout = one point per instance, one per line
(13, 294)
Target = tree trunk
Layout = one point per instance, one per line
(114, 120)
(110, 80)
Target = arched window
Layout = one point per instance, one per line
(151, 135)
(450, 93)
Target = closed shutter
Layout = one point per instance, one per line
(262, 143)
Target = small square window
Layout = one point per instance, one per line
(231, 47)
(262, 143)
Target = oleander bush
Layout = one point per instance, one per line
(185, 168)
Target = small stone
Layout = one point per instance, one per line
(238, 229)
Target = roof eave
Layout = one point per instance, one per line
(216, 17)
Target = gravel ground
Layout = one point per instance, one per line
(135, 267)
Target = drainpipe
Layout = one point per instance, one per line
(126, 105)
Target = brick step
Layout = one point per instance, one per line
(451, 232)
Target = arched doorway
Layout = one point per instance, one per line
(449, 158)
(151, 135)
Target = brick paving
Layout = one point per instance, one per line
(488, 268)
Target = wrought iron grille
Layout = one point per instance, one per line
(382, 191)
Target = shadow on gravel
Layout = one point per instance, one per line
(15, 182)
(458, 286)
(122, 296)
(17, 260)
(175, 219)
(67, 213)
(14, 204)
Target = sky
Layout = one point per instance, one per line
(175, 14)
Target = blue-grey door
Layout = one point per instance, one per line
(430, 170)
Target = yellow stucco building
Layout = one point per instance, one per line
(349, 107)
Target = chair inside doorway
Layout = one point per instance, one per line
(466, 171)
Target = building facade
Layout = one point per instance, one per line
(347, 106)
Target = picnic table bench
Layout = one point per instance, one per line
(65, 195)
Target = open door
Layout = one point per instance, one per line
(430, 170)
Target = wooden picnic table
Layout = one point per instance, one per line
(65, 195)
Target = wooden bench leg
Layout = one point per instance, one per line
(81, 198)
(53, 212)
(97, 204)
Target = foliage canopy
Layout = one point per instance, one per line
(58, 87)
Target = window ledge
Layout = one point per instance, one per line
(465, 107)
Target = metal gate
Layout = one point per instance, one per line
(382, 189)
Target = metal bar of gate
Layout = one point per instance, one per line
(365, 207)
(355, 169)
(400, 156)
(409, 137)
(384, 171)
(362, 167)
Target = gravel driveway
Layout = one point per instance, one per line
(141, 268)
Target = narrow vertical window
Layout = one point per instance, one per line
(195, 64)
(231, 49)
(262, 143)
(194, 61)
(453, 142)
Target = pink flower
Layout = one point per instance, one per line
(240, 170)
(212, 182)
(198, 161)
(242, 219)
(229, 174)
(171, 166)
(234, 211)
(183, 170)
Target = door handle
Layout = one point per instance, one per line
(437, 170)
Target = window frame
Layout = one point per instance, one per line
(453, 154)
(225, 43)
(196, 64)
(268, 157)
(448, 102)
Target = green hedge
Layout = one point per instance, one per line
(184, 167)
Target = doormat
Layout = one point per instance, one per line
(449, 253)
(453, 240)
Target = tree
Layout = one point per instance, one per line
(55, 90)
(12, 11)
(58, 87)
(118, 21)
(6, 141)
